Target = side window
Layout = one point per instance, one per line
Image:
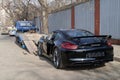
(54, 36)
(57, 36)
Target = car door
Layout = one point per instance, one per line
(55, 41)
(47, 43)
(50, 42)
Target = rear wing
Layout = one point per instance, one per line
(103, 38)
(96, 36)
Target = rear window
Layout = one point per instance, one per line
(78, 33)
(26, 24)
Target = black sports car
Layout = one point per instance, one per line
(74, 47)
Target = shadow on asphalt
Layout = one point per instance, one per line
(19, 45)
(7, 37)
(78, 67)
(84, 67)
(48, 60)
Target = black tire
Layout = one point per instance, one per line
(57, 59)
(16, 41)
(39, 50)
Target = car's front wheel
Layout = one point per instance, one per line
(57, 59)
(39, 50)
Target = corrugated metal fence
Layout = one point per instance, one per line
(60, 20)
(110, 18)
(84, 16)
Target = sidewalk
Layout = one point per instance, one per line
(116, 52)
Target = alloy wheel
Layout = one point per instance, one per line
(39, 50)
(56, 58)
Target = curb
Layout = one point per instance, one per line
(117, 59)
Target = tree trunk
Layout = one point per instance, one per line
(45, 21)
(44, 11)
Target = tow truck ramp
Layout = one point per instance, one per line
(31, 47)
(30, 40)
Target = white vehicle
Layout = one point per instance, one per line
(4, 31)
(12, 32)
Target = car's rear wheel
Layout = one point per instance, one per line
(39, 50)
(57, 59)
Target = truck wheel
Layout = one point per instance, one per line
(16, 40)
(23, 46)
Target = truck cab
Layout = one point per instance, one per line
(24, 26)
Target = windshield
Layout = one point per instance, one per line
(78, 33)
(28, 24)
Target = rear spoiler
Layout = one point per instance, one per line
(97, 36)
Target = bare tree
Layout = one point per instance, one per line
(20, 9)
(28, 9)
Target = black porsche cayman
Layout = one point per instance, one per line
(75, 47)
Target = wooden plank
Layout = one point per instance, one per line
(32, 48)
(29, 39)
(25, 38)
(35, 36)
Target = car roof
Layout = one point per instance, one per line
(63, 30)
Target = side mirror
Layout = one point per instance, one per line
(52, 38)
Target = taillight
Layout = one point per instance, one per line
(68, 45)
(109, 43)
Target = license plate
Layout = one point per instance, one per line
(95, 54)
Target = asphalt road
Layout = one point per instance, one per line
(17, 64)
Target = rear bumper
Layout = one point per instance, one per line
(79, 57)
(88, 61)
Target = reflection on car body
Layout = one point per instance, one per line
(75, 47)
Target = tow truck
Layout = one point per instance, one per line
(26, 36)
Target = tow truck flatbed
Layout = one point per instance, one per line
(28, 41)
